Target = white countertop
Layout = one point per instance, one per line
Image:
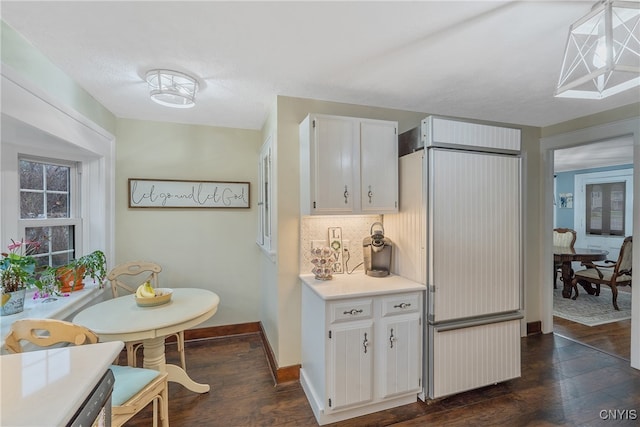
(47, 387)
(359, 285)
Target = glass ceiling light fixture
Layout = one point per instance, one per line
(172, 88)
(602, 55)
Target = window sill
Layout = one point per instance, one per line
(268, 252)
(62, 308)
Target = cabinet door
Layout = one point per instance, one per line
(379, 166)
(334, 153)
(350, 370)
(401, 361)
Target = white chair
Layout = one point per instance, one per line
(133, 389)
(566, 238)
(128, 277)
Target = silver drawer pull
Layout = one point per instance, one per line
(402, 305)
(353, 312)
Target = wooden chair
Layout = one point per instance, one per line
(612, 273)
(128, 277)
(134, 388)
(566, 238)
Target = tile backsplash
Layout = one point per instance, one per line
(354, 229)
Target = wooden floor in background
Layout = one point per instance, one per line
(613, 338)
(563, 383)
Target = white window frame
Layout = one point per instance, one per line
(36, 124)
(266, 197)
(74, 219)
(607, 242)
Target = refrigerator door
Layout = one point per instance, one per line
(468, 355)
(474, 233)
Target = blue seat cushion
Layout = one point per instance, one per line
(129, 381)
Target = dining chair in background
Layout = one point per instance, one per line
(128, 277)
(565, 238)
(133, 389)
(610, 273)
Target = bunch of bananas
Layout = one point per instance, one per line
(145, 291)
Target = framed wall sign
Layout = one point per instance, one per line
(155, 193)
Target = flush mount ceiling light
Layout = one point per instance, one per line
(172, 88)
(602, 55)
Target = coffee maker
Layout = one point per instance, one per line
(377, 252)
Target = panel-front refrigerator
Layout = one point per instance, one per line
(470, 220)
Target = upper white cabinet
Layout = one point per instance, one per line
(348, 165)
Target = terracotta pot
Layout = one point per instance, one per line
(69, 276)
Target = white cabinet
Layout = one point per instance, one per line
(360, 355)
(348, 165)
(402, 331)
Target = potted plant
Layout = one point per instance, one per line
(17, 269)
(71, 275)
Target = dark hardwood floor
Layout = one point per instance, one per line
(563, 383)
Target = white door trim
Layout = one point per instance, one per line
(627, 127)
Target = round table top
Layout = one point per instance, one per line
(564, 253)
(122, 319)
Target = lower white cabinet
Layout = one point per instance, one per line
(360, 355)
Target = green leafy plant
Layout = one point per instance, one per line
(18, 266)
(92, 265)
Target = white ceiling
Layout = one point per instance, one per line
(487, 60)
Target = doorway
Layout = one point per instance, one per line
(628, 127)
(578, 170)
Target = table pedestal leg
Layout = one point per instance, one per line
(154, 358)
(178, 375)
(567, 277)
(153, 351)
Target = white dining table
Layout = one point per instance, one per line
(121, 319)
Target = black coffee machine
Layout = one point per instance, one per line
(377, 252)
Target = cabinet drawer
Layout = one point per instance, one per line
(345, 311)
(401, 304)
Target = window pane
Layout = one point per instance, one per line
(31, 205)
(57, 178)
(61, 238)
(31, 175)
(595, 213)
(57, 205)
(56, 244)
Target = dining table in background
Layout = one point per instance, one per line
(121, 319)
(566, 256)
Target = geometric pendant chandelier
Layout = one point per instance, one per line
(602, 54)
(172, 88)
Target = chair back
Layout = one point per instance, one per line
(130, 275)
(625, 259)
(564, 237)
(47, 332)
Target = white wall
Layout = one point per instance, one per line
(204, 248)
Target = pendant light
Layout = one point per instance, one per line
(602, 54)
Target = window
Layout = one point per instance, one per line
(265, 204)
(48, 215)
(605, 208)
